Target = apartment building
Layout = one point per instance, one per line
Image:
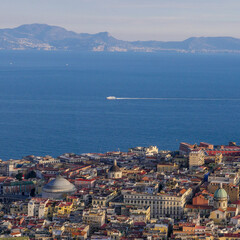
(162, 204)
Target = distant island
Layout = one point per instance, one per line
(53, 38)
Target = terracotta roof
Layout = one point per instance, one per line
(15, 233)
(183, 191)
(139, 224)
(232, 235)
(231, 209)
(200, 227)
(63, 204)
(84, 180)
(221, 210)
(237, 202)
(198, 207)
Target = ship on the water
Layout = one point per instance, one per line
(111, 98)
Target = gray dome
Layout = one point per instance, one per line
(59, 185)
(115, 167)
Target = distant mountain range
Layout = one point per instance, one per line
(45, 37)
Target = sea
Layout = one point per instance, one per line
(55, 102)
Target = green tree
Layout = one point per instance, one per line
(32, 193)
(31, 174)
(19, 176)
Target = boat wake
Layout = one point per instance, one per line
(175, 99)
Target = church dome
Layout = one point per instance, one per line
(220, 193)
(115, 167)
(59, 185)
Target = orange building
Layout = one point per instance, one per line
(184, 228)
(200, 200)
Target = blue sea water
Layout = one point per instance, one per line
(55, 102)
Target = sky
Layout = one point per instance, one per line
(129, 19)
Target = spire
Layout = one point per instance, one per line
(221, 186)
(115, 162)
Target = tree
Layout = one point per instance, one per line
(32, 193)
(31, 174)
(19, 176)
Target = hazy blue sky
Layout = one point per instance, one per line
(129, 19)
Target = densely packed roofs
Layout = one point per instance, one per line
(145, 193)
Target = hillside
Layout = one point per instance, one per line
(45, 37)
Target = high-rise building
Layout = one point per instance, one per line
(196, 158)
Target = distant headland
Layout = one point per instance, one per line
(53, 38)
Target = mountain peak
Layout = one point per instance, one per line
(105, 34)
(47, 37)
(36, 27)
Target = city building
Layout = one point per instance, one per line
(222, 213)
(63, 209)
(36, 207)
(84, 183)
(140, 214)
(102, 198)
(23, 188)
(196, 158)
(151, 150)
(230, 151)
(156, 231)
(19, 208)
(167, 167)
(162, 204)
(94, 217)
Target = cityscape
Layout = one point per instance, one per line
(119, 120)
(144, 193)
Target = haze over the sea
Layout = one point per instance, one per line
(129, 20)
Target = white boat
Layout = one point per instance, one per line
(111, 98)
